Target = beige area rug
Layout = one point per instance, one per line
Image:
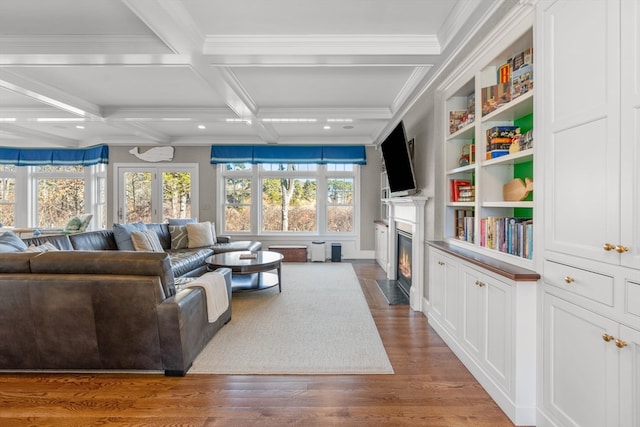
(319, 324)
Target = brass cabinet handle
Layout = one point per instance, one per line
(479, 283)
(569, 279)
(608, 247)
(440, 263)
(621, 249)
(621, 344)
(608, 337)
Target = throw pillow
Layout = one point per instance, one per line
(146, 241)
(179, 236)
(182, 221)
(10, 242)
(122, 234)
(200, 234)
(45, 247)
(74, 224)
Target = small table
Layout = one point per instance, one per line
(251, 274)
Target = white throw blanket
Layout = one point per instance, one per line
(215, 289)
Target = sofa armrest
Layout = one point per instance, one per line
(184, 326)
(223, 239)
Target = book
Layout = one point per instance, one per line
(493, 97)
(455, 188)
(251, 255)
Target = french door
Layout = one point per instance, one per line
(155, 193)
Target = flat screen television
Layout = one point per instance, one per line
(398, 162)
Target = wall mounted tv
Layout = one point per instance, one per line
(398, 162)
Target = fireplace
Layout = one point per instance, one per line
(403, 260)
(407, 216)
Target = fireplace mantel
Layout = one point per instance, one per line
(408, 210)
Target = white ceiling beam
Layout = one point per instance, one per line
(321, 45)
(36, 136)
(170, 21)
(49, 95)
(82, 60)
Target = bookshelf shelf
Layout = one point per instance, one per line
(492, 135)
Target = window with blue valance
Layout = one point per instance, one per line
(59, 156)
(316, 154)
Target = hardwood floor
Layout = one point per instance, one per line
(430, 387)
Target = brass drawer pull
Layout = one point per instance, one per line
(608, 247)
(621, 344)
(608, 337)
(569, 279)
(621, 249)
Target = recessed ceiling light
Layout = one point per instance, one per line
(340, 120)
(202, 127)
(7, 119)
(79, 127)
(326, 127)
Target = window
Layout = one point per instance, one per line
(48, 196)
(59, 194)
(288, 198)
(7, 195)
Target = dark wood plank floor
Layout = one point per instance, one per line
(430, 387)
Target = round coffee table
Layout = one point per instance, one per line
(250, 274)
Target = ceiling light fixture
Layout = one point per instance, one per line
(326, 127)
(79, 127)
(202, 127)
(7, 119)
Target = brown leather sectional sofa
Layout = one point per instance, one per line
(92, 307)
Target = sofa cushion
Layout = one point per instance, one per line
(240, 245)
(16, 262)
(184, 261)
(146, 241)
(107, 262)
(99, 240)
(122, 234)
(10, 242)
(200, 234)
(60, 241)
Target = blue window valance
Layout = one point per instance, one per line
(317, 154)
(58, 156)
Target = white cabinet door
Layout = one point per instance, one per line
(630, 137)
(381, 243)
(581, 133)
(581, 368)
(498, 331)
(437, 275)
(473, 302)
(452, 292)
(630, 377)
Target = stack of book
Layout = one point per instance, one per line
(499, 140)
(462, 191)
(510, 235)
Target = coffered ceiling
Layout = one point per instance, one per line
(75, 73)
